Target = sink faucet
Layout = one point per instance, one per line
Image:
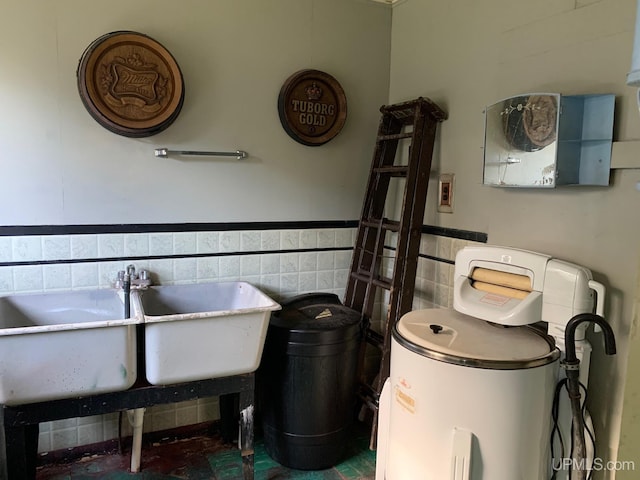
(136, 280)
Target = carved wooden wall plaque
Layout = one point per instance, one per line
(130, 84)
(312, 107)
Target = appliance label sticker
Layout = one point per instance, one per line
(495, 299)
(405, 400)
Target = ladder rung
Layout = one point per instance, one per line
(394, 136)
(383, 282)
(369, 397)
(394, 170)
(374, 338)
(391, 225)
(364, 274)
(405, 115)
(377, 281)
(364, 250)
(369, 391)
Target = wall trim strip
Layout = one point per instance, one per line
(29, 230)
(25, 230)
(455, 233)
(239, 253)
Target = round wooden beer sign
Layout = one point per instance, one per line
(130, 84)
(312, 107)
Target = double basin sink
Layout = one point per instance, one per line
(76, 343)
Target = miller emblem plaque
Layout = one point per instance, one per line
(312, 107)
(130, 84)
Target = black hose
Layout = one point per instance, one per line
(555, 431)
(126, 287)
(558, 462)
(579, 446)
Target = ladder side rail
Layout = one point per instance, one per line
(383, 126)
(374, 246)
(420, 116)
(401, 297)
(370, 295)
(408, 246)
(409, 241)
(377, 188)
(365, 251)
(405, 303)
(368, 302)
(412, 207)
(395, 294)
(357, 288)
(360, 294)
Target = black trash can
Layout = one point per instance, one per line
(308, 381)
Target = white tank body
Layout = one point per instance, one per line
(467, 404)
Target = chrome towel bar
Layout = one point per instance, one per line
(164, 153)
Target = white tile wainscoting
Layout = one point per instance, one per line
(281, 263)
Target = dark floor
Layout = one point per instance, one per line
(207, 457)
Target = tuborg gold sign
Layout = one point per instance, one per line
(312, 107)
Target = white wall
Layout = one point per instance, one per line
(630, 432)
(59, 166)
(465, 55)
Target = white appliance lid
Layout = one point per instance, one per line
(455, 337)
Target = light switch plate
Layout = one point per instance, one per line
(445, 193)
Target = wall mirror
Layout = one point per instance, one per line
(545, 140)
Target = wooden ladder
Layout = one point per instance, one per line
(415, 121)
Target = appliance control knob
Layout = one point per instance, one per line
(435, 328)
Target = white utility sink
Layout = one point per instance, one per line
(200, 331)
(65, 344)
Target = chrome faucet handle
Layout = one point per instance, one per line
(141, 280)
(119, 279)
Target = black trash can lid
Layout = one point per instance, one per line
(322, 316)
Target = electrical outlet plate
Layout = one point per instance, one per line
(445, 193)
